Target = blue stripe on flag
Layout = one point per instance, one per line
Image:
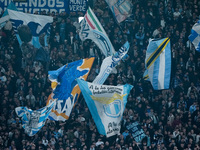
(127, 89)
(108, 110)
(117, 109)
(193, 35)
(198, 48)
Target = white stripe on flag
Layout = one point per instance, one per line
(161, 74)
(196, 41)
(196, 28)
(112, 109)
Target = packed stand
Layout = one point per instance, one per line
(170, 118)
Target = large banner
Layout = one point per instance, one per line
(59, 6)
(32, 26)
(65, 88)
(136, 131)
(106, 104)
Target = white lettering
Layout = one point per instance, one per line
(60, 3)
(20, 9)
(61, 10)
(51, 3)
(75, 2)
(42, 3)
(51, 10)
(33, 3)
(23, 4)
(76, 8)
(27, 10)
(6, 2)
(16, 4)
(35, 10)
(44, 9)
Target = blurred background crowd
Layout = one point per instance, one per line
(170, 118)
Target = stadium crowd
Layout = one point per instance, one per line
(170, 118)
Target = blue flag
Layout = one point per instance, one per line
(65, 88)
(36, 25)
(106, 104)
(33, 121)
(195, 36)
(158, 63)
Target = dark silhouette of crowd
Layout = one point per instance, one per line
(170, 118)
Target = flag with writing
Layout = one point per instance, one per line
(109, 63)
(36, 25)
(136, 131)
(65, 88)
(106, 104)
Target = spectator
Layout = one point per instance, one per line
(173, 113)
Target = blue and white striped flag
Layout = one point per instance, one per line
(195, 36)
(158, 63)
(109, 63)
(33, 121)
(121, 9)
(106, 104)
(38, 24)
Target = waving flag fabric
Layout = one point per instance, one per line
(121, 9)
(109, 63)
(106, 104)
(33, 121)
(158, 63)
(38, 24)
(92, 29)
(195, 36)
(5, 17)
(136, 130)
(65, 87)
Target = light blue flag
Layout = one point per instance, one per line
(106, 104)
(158, 63)
(195, 36)
(109, 63)
(65, 87)
(34, 120)
(5, 17)
(38, 24)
